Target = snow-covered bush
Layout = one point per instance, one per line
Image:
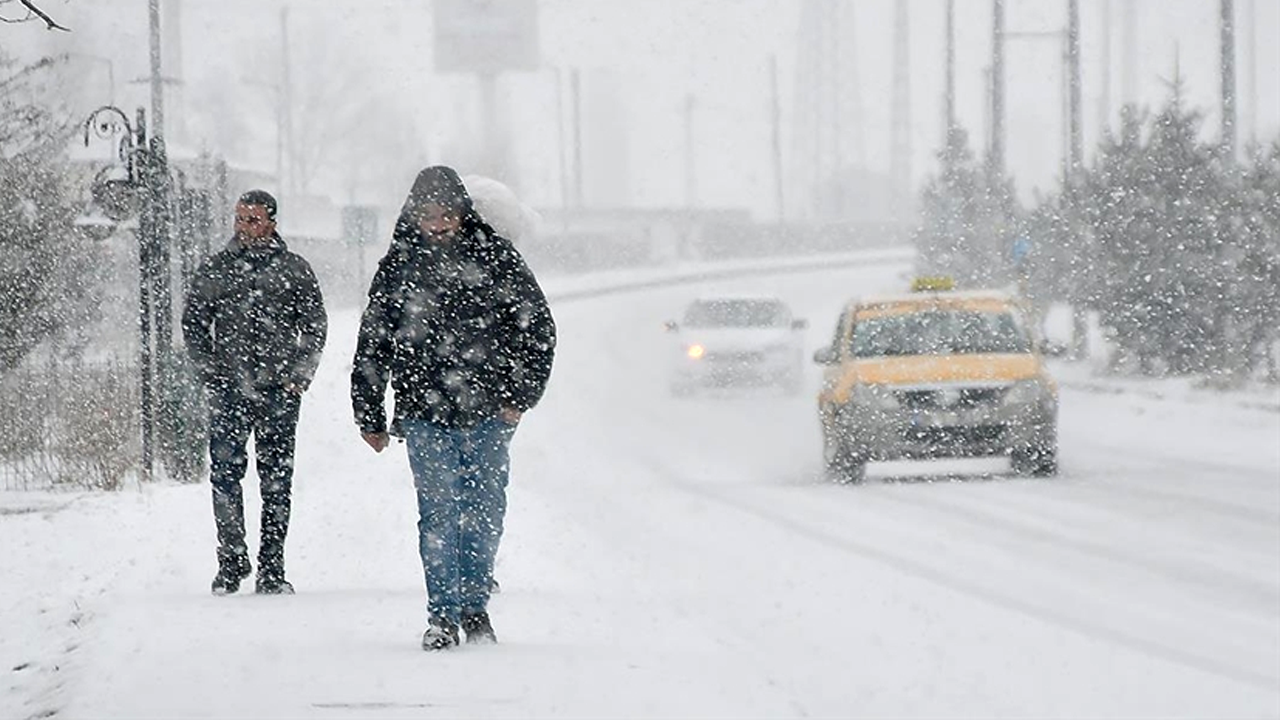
(1186, 257)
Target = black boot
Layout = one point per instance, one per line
(233, 555)
(272, 585)
(478, 628)
(441, 634)
(275, 526)
(231, 571)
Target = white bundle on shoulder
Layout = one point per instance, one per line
(500, 207)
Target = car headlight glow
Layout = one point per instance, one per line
(695, 351)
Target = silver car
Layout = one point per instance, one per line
(733, 341)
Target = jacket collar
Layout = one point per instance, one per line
(275, 244)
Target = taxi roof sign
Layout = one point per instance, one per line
(935, 283)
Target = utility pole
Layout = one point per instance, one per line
(856, 130)
(1228, 49)
(900, 160)
(575, 90)
(995, 153)
(286, 109)
(563, 147)
(1251, 51)
(950, 99)
(1075, 162)
(775, 122)
(1076, 119)
(1104, 95)
(491, 157)
(690, 164)
(831, 64)
(157, 78)
(1129, 43)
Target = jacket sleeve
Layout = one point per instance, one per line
(197, 324)
(313, 326)
(371, 367)
(532, 330)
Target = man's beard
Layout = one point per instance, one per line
(440, 236)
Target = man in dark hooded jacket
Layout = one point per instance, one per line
(458, 325)
(254, 326)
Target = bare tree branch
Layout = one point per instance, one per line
(34, 12)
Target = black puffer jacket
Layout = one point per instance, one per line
(461, 329)
(255, 318)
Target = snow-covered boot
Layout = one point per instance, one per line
(440, 635)
(478, 628)
(230, 572)
(273, 585)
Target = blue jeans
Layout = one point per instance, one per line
(460, 475)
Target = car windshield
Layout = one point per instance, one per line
(735, 313)
(940, 332)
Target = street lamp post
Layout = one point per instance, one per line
(142, 192)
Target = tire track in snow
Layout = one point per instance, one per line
(942, 576)
(1012, 524)
(1229, 510)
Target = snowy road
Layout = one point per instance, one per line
(685, 558)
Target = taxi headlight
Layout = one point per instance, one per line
(1024, 392)
(695, 352)
(873, 396)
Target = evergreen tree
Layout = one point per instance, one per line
(969, 220)
(1156, 211)
(1258, 291)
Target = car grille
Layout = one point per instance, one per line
(955, 435)
(735, 358)
(950, 399)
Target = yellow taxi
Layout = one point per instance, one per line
(936, 373)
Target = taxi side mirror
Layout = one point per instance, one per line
(799, 324)
(1049, 348)
(670, 326)
(826, 356)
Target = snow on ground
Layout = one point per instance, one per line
(684, 557)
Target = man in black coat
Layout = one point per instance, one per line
(459, 327)
(254, 326)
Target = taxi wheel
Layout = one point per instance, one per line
(842, 466)
(1038, 461)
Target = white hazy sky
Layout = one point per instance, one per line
(639, 61)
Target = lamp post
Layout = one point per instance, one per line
(141, 192)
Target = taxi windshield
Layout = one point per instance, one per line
(939, 332)
(735, 313)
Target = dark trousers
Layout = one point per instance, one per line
(271, 415)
